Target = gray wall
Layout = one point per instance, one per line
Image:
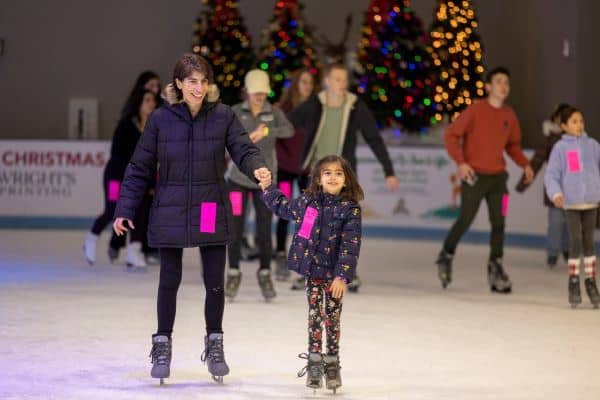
(61, 49)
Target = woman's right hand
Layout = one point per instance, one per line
(119, 226)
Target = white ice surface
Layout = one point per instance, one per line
(68, 331)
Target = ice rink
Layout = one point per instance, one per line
(70, 331)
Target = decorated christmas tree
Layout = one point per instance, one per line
(221, 37)
(394, 74)
(456, 52)
(286, 46)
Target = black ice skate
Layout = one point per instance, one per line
(266, 284)
(214, 356)
(333, 378)
(444, 264)
(313, 370)
(113, 254)
(592, 291)
(497, 278)
(161, 357)
(234, 277)
(281, 271)
(574, 291)
(354, 285)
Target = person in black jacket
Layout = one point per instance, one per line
(126, 136)
(188, 141)
(331, 121)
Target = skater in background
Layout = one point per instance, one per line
(324, 250)
(573, 183)
(189, 140)
(331, 121)
(289, 171)
(265, 124)
(476, 141)
(128, 131)
(558, 239)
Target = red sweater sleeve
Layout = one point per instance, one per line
(513, 146)
(455, 134)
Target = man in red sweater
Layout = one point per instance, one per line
(476, 141)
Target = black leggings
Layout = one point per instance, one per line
(213, 273)
(581, 225)
(283, 224)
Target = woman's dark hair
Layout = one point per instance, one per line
(495, 71)
(140, 84)
(566, 113)
(135, 102)
(291, 94)
(558, 110)
(186, 65)
(351, 190)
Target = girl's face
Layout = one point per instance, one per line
(574, 125)
(257, 100)
(153, 85)
(306, 85)
(194, 88)
(148, 104)
(332, 178)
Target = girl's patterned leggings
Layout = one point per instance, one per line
(322, 309)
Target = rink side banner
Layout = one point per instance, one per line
(429, 193)
(52, 178)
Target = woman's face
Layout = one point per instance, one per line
(194, 88)
(153, 85)
(148, 104)
(306, 84)
(257, 100)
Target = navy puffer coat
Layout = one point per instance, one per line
(190, 207)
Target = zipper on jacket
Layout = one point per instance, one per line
(189, 202)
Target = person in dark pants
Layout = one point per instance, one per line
(476, 141)
(126, 136)
(188, 140)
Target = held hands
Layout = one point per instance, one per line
(528, 174)
(391, 182)
(258, 134)
(264, 178)
(559, 201)
(120, 227)
(338, 288)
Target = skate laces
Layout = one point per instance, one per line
(313, 368)
(214, 351)
(160, 353)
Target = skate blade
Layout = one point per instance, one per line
(218, 379)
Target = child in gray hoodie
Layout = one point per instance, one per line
(572, 182)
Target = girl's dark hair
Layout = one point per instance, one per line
(351, 190)
(186, 65)
(140, 82)
(291, 95)
(135, 102)
(558, 109)
(566, 113)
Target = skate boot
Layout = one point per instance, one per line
(444, 264)
(161, 357)
(313, 370)
(281, 271)
(113, 254)
(214, 356)
(299, 283)
(89, 248)
(592, 291)
(552, 261)
(135, 259)
(234, 277)
(355, 284)
(497, 278)
(574, 291)
(333, 378)
(266, 284)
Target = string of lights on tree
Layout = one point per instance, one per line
(286, 46)
(221, 37)
(394, 74)
(456, 52)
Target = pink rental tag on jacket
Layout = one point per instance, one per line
(114, 187)
(573, 161)
(308, 222)
(286, 188)
(235, 198)
(505, 200)
(208, 217)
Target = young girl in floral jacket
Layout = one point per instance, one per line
(324, 249)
